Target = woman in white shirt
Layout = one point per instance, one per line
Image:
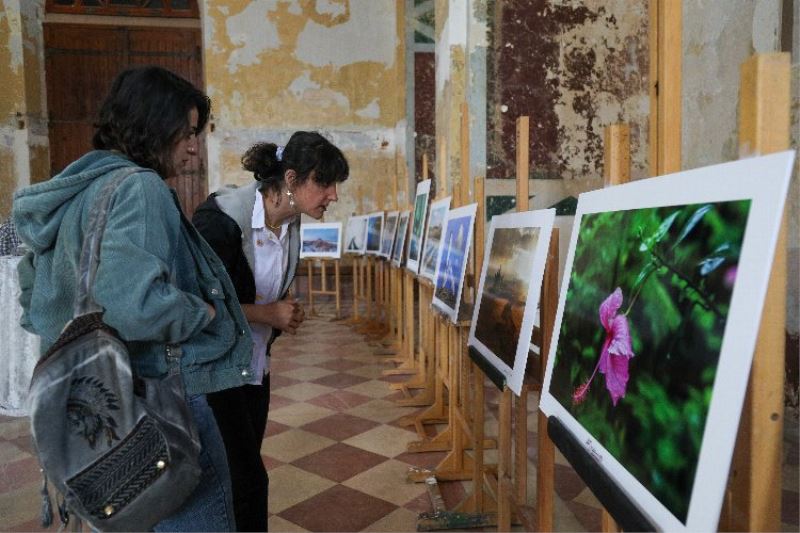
(255, 230)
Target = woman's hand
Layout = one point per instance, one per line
(285, 315)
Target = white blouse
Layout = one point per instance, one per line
(271, 257)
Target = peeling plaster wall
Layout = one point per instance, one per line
(24, 148)
(274, 67)
(718, 36)
(451, 44)
(574, 68)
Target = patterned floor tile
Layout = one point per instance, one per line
(308, 373)
(384, 440)
(293, 444)
(278, 381)
(323, 512)
(369, 372)
(373, 389)
(339, 462)
(298, 414)
(397, 520)
(340, 426)
(311, 359)
(380, 411)
(276, 523)
(340, 380)
(340, 400)
(303, 391)
(340, 364)
(387, 481)
(16, 474)
(290, 485)
(276, 400)
(274, 428)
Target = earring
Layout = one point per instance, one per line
(292, 203)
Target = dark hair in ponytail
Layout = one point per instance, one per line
(305, 152)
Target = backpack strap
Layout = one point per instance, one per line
(90, 250)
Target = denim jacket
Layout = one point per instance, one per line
(154, 280)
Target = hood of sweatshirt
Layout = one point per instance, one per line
(39, 210)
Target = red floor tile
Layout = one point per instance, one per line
(339, 462)
(340, 426)
(340, 380)
(323, 512)
(340, 400)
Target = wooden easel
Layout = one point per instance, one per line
(419, 356)
(323, 290)
(452, 369)
(753, 499)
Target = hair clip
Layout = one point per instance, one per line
(279, 153)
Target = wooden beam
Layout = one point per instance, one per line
(665, 17)
(523, 162)
(754, 499)
(617, 154)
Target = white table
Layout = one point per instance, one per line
(19, 350)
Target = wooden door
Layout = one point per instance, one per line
(82, 60)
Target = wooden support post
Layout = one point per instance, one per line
(323, 290)
(665, 86)
(545, 461)
(616, 154)
(523, 162)
(753, 502)
(616, 171)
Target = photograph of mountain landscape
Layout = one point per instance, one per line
(321, 240)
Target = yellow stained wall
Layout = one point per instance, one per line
(451, 28)
(274, 67)
(24, 152)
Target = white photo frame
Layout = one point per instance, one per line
(725, 238)
(356, 235)
(418, 225)
(374, 231)
(387, 236)
(400, 239)
(433, 237)
(321, 239)
(508, 295)
(453, 258)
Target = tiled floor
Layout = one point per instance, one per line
(335, 451)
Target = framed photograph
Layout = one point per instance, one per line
(387, 238)
(418, 225)
(322, 239)
(452, 261)
(355, 236)
(433, 237)
(400, 239)
(508, 294)
(656, 326)
(374, 230)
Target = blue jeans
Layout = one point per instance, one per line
(210, 506)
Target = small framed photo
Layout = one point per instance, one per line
(433, 237)
(374, 231)
(452, 261)
(387, 238)
(508, 294)
(355, 236)
(400, 239)
(418, 225)
(323, 239)
(657, 321)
